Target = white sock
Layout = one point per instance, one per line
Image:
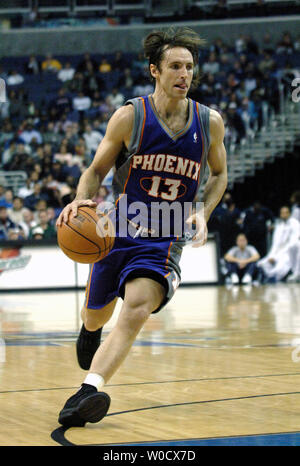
(95, 379)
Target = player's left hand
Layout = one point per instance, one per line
(200, 237)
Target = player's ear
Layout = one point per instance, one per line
(153, 70)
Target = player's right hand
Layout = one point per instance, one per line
(72, 209)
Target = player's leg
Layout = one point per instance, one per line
(89, 337)
(142, 297)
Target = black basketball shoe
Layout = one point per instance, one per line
(86, 346)
(87, 405)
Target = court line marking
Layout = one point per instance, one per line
(58, 434)
(156, 383)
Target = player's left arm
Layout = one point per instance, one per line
(217, 181)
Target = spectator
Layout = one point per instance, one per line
(285, 45)
(119, 62)
(43, 223)
(76, 84)
(31, 200)
(257, 222)
(81, 102)
(115, 98)
(51, 64)
(14, 78)
(267, 63)
(277, 263)
(30, 134)
(92, 82)
(5, 223)
(92, 138)
(28, 222)
(7, 200)
(66, 73)
(212, 66)
(241, 261)
(15, 234)
(142, 87)
(62, 102)
(16, 211)
(32, 66)
(85, 64)
(126, 79)
(235, 122)
(37, 233)
(295, 203)
(229, 222)
(105, 66)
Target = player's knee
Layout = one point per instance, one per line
(135, 313)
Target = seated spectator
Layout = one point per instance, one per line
(241, 261)
(62, 102)
(43, 223)
(235, 121)
(51, 64)
(119, 62)
(30, 134)
(16, 211)
(15, 234)
(63, 155)
(2, 192)
(285, 45)
(126, 80)
(32, 66)
(105, 66)
(31, 200)
(66, 73)
(142, 87)
(85, 64)
(28, 222)
(81, 102)
(277, 263)
(212, 66)
(76, 84)
(37, 233)
(92, 138)
(5, 223)
(267, 63)
(7, 200)
(92, 81)
(14, 78)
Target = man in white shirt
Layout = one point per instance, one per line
(278, 262)
(66, 73)
(241, 261)
(81, 102)
(295, 250)
(92, 138)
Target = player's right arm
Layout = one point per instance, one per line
(118, 132)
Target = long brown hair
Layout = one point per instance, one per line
(157, 42)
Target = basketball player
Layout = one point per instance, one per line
(160, 145)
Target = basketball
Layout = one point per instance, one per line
(86, 238)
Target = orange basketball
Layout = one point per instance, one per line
(86, 238)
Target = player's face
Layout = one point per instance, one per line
(176, 72)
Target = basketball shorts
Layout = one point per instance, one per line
(130, 258)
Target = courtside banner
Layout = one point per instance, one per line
(42, 265)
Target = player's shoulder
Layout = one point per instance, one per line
(122, 120)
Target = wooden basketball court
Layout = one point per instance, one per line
(216, 366)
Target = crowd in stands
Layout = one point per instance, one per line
(57, 109)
